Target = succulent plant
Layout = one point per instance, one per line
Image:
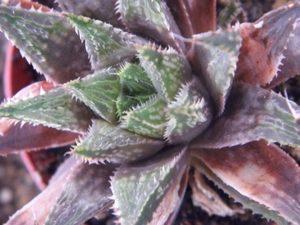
(155, 98)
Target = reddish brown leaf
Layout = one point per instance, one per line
(262, 172)
(264, 43)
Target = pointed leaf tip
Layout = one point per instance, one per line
(111, 143)
(47, 41)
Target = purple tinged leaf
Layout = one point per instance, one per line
(261, 172)
(289, 66)
(103, 10)
(42, 37)
(79, 201)
(269, 116)
(16, 138)
(139, 189)
(36, 211)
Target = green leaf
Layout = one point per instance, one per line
(47, 40)
(189, 115)
(215, 59)
(105, 44)
(167, 70)
(147, 119)
(99, 91)
(55, 108)
(136, 81)
(269, 116)
(136, 89)
(139, 189)
(151, 19)
(79, 201)
(111, 143)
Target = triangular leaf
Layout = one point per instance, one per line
(189, 115)
(79, 201)
(111, 143)
(18, 137)
(139, 189)
(151, 19)
(167, 70)
(99, 91)
(105, 44)
(215, 58)
(135, 79)
(103, 10)
(147, 119)
(269, 116)
(265, 44)
(41, 37)
(56, 109)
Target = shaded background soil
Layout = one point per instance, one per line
(17, 187)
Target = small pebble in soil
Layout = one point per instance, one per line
(6, 195)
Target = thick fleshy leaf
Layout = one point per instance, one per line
(289, 66)
(264, 43)
(36, 211)
(18, 137)
(251, 114)
(139, 189)
(151, 19)
(238, 197)
(189, 115)
(135, 79)
(136, 88)
(99, 91)
(108, 142)
(147, 119)
(231, 14)
(167, 70)
(79, 201)
(103, 10)
(42, 36)
(105, 44)
(56, 109)
(261, 172)
(214, 57)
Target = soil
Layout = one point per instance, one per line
(17, 187)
